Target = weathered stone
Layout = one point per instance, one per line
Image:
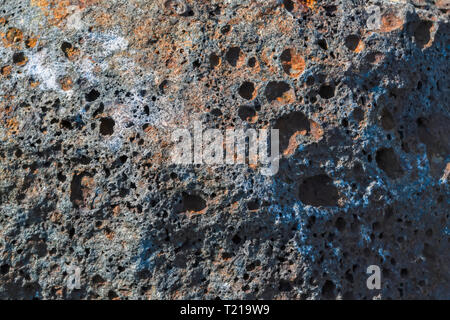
(91, 91)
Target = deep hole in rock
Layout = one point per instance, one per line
(319, 191)
(67, 48)
(232, 55)
(75, 188)
(322, 43)
(434, 132)
(66, 124)
(374, 57)
(253, 205)
(112, 295)
(290, 124)
(193, 202)
(328, 289)
(285, 286)
(236, 239)
(286, 56)
(387, 160)
(246, 113)
(276, 89)
(214, 60)
(340, 224)
(292, 62)
(326, 91)
(19, 58)
(288, 5)
(216, 112)
(252, 62)
(164, 85)
(246, 90)
(4, 269)
(107, 126)
(330, 9)
(422, 32)
(387, 120)
(352, 42)
(97, 280)
(225, 29)
(358, 114)
(92, 95)
(310, 80)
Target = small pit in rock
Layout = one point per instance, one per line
(290, 126)
(107, 126)
(387, 160)
(275, 90)
(326, 91)
(247, 113)
(247, 90)
(352, 42)
(319, 191)
(232, 55)
(193, 203)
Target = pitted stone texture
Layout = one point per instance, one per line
(92, 89)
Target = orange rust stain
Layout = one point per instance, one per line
(104, 19)
(316, 130)
(13, 126)
(109, 234)
(267, 58)
(5, 71)
(443, 4)
(55, 217)
(308, 3)
(294, 65)
(34, 84)
(13, 37)
(293, 144)
(287, 97)
(31, 42)
(87, 182)
(303, 5)
(360, 46)
(59, 291)
(429, 43)
(66, 83)
(141, 33)
(54, 10)
(192, 213)
(57, 11)
(234, 205)
(71, 53)
(446, 172)
(298, 65)
(390, 22)
(116, 210)
(87, 3)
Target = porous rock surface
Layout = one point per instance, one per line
(90, 91)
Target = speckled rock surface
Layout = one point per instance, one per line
(90, 91)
